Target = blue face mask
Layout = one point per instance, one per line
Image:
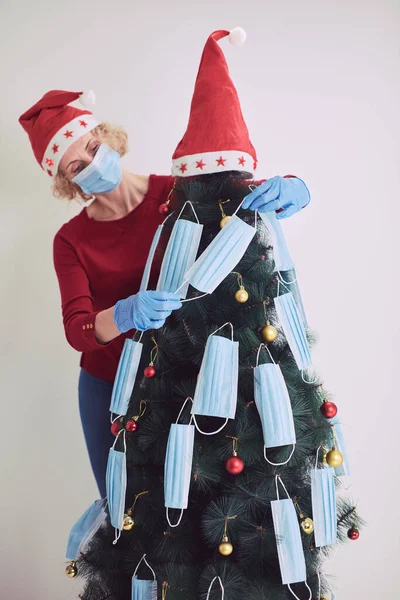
(293, 328)
(273, 404)
(103, 174)
(126, 376)
(85, 528)
(217, 383)
(282, 258)
(344, 469)
(291, 281)
(221, 256)
(323, 501)
(116, 485)
(288, 540)
(180, 255)
(178, 467)
(143, 589)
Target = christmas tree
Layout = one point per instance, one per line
(260, 511)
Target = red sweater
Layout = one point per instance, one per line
(100, 262)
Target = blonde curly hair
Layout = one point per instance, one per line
(114, 136)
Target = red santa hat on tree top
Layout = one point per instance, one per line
(216, 137)
(53, 125)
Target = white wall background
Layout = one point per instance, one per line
(319, 87)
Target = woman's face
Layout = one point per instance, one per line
(78, 155)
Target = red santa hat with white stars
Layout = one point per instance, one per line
(216, 138)
(53, 125)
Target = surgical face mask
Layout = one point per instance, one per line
(323, 501)
(125, 377)
(217, 383)
(116, 485)
(288, 540)
(85, 528)
(221, 256)
(283, 260)
(293, 328)
(143, 589)
(273, 404)
(103, 174)
(180, 255)
(178, 467)
(344, 469)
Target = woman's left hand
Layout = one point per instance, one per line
(285, 195)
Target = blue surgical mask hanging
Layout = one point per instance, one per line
(273, 404)
(180, 254)
(217, 383)
(293, 328)
(116, 485)
(103, 174)
(288, 540)
(85, 528)
(178, 466)
(126, 376)
(222, 255)
(323, 501)
(144, 589)
(344, 469)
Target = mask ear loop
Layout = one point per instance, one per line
(166, 508)
(133, 338)
(277, 477)
(284, 280)
(194, 212)
(221, 586)
(145, 561)
(153, 248)
(226, 420)
(255, 213)
(265, 448)
(306, 380)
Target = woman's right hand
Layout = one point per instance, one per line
(145, 310)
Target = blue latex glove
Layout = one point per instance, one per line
(147, 309)
(285, 195)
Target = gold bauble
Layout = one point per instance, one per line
(128, 523)
(241, 295)
(225, 548)
(323, 598)
(224, 221)
(334, 458)
(307, 525)
(269, 333)
(71, 569)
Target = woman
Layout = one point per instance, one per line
(99, 255)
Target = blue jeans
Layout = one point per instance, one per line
(94, 408)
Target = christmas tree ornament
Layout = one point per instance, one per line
(225, 218)
(288, 539)
(274, 407)
(143, 589)
(293, 328)
(328, 409)
(150, 371)
(83, 531)
(338, 442)
(241, 295)
(222, 255)
(129, 522)
(132, 425)
(164, 207)
(225, 548)
(126, 376)
(71, 570)
(334, 458)
(164, 590)
(217, 385)
(116, 426)
(323, 500)
(353, 534)
(116, 485)
(178, 466)
(269, 333)
(234, 465)
(180, 254)
(306, 523)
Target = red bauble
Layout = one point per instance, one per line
(115, 428)
(163, 208)
(329, 410)
(150, 372)
(234, 465)
(353, 534)
(131, 425)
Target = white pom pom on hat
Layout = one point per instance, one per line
(237, 36)
(87, 98)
